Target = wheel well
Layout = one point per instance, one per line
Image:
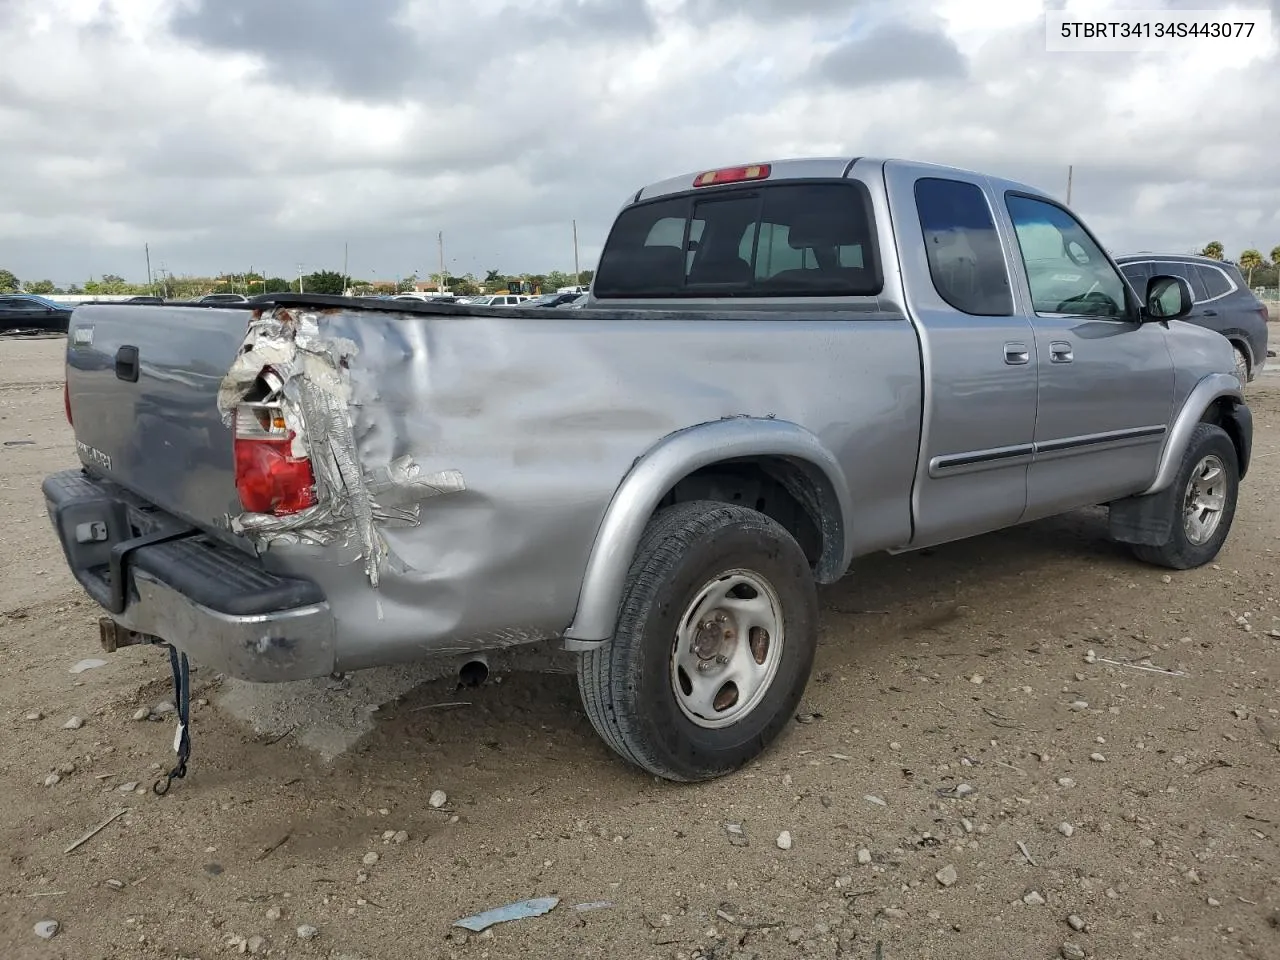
(795, 494)
(1221, 413)
(1242, 345)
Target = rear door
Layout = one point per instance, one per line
(1106, 381)
(978, 353)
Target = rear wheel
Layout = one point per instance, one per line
(1204, 502)
(714, 645)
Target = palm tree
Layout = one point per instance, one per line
(1250, 261)
(1213, 250)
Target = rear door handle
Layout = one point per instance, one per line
(1015, 352)
(127, 363)
(1060, 352)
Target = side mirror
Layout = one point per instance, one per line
(1168, 298)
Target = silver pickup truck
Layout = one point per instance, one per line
(781, 367)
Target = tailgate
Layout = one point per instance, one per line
(142, 383)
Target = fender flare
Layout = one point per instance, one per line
(671, 459)
(1208, 391)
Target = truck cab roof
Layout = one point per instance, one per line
(814, 168)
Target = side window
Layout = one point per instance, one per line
(966, 260)
(1138, 274)
(1188, 272)
(1215, 281)
(1067, 272)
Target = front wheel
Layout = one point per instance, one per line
(1204, 502)
(714, 644)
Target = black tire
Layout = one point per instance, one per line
(627, 686)
(1181, 552)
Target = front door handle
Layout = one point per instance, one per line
(1060, 352)
(1015, 352)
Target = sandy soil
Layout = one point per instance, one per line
(951, 723)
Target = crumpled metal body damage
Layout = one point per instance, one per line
(466, 463)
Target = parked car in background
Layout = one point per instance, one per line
(548, 300)
(501, 300)
(223, 298)
(577, 303)
(1223, 301)
(425, 297)
(27, 311)
(144, 298)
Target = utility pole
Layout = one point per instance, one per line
(1069, 172)
(300, 278)
(147, 247)
(577, 274)
(441, 285)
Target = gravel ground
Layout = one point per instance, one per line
(982, 768)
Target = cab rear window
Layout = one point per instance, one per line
(780, 240)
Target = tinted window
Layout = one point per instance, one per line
(1067, 272)
(966, 260)
(17, 304)
(1188, 272)
(788, 239)
(1215, 282)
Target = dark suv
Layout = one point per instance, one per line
(1223, 301)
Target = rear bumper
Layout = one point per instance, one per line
(156, 576)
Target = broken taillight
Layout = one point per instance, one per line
(270, 477)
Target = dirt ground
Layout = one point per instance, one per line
(956, 719)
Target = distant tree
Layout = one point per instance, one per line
(277, 285)
(586, 277)
(74, 289)
(1250, 260)
(40, 286)
(324, 281)
(1275, 257)
(8, 282)
(465, 285)
(112, 279)
(1212, 249)
(406, 283)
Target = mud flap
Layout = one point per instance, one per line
(1146, 520)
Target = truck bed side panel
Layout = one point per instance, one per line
(544, 417)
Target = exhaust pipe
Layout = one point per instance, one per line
(474, 672)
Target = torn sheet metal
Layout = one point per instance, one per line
(314, 391)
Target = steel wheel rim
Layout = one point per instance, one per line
(727, 649)
(1205, 499)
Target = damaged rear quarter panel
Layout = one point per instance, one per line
(542, 418)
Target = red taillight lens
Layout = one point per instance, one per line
(66, 400)
(270, 479)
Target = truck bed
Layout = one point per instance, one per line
(538, 414)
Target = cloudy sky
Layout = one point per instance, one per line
(230, 133)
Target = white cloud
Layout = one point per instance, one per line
(224, 139)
